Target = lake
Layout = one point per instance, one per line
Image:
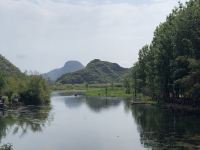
(80, 123)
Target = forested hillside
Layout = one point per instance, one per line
(96, 71)
(169, 68)
(8, 68)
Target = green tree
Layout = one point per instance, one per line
(36, 92)
(6, 147)
(2, 82)
(143, 59)
(169, 67)
(127, 85)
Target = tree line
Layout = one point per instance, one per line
(25, 89)
(168, 69)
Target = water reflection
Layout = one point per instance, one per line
(99, 104)
(25, 119)
(167, 128)
(158, 128)
(80, 122)
(96, 104)
(73, 102)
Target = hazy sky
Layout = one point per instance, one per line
(43, 34)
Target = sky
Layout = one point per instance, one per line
(41, 35)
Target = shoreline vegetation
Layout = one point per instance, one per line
(6, 147)
(24, 90)
(101, 90)
(116, 91)
(168, 69)
(17, 88)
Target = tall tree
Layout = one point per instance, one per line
(169, 67)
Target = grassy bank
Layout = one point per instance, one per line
(103, 90)
(109, 92)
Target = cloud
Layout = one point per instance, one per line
(51, 32)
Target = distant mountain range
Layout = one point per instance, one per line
(69, 67)
(7, 68)
(96, 71)
(73, 72)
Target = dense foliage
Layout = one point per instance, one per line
(27, 89)
(169, 68)
(6, 147)
(95, 72)
(35, 91)
(8, 68)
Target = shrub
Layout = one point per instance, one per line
(6, 147)
(36, 92)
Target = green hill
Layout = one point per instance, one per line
(96, 71)
(69, 67)
(7, 68)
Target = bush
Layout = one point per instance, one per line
(6, 147)
(36, 92)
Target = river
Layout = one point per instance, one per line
(80, 123)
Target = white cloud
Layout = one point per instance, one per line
(50, 32)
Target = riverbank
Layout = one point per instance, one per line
(96, 92)
(119, 92)
(101, 90)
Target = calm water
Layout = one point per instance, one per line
(79, 123)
